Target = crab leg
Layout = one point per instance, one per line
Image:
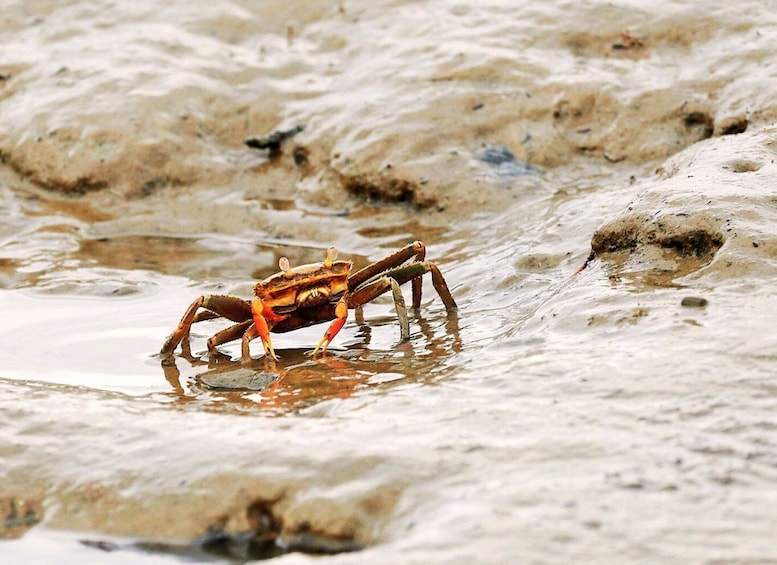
(414, 271)
(230, 307)
(417, 249)
(420, 256)
(372, 289)
(438, 281)
(231, 333)
(249, 334)
(341, 311)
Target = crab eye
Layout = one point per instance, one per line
(283, 263)
(331, 255)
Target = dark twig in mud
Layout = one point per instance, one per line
(272, 142)
(591, 257)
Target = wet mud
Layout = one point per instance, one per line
(18, 516)
(704, 213)
(594, 181)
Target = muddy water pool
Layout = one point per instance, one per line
(554, 417)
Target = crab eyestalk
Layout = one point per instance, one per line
(283, 263)
(331, 255)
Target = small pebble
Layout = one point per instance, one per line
(240, 379)
(694, 302)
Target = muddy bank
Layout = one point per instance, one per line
(168, 106)
(706, 218)
(122, 493)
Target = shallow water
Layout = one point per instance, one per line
(554, 417)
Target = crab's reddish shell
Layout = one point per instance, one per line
(307, 286)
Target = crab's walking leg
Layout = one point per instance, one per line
(249, 334)
(415, 271)
(420, 256)
(261, 328)
(228, 334)
(222, 305)
(375, 288)
(438, 281)
(416, 249)
(341, 311)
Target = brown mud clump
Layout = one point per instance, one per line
(698, 237)
(264, 532)
(254, 521)
(660, 249)
(702, 213)
(17, 516)
(284, 523)
(387, 189)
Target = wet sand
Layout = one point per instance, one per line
(623, 413)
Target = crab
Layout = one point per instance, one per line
(312, 294)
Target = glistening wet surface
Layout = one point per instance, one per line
(619, 413)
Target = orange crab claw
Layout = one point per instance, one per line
(341, 311)
(260, 323)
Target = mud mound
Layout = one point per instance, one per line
(702, 212)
